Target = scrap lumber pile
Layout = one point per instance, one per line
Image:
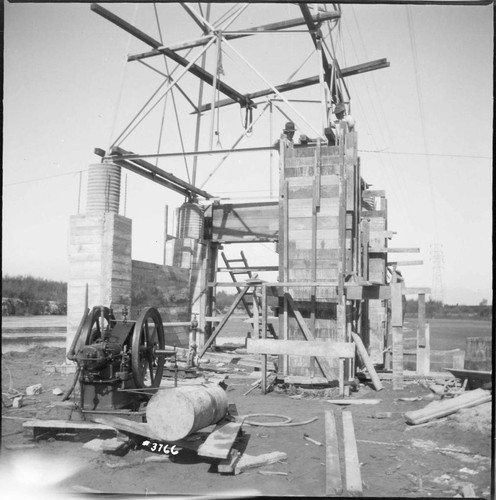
(438, 409)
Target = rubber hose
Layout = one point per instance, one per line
(69, 392)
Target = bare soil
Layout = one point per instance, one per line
(396, 460)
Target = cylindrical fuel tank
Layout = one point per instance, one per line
(175, 413)
(104, 186)
(190, 221)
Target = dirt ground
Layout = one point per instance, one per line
(396, 460)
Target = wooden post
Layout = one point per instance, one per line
(423, 350)
(264, 335)
(397, 332)
(166, 230)
(256, 314)
(284, 270)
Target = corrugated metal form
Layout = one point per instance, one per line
(190, 221)
(104, 186)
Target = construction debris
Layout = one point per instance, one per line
(33, 390)
(353, 401)
(250, 462)
(308, 438)
(438, 409)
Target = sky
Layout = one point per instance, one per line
(424, 126)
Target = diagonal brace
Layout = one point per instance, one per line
(196, 70)
(235, 304)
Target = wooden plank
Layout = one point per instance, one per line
(334, 485)
(298, 379)
(354, 401)
(220, 441)
(375, 249)
(377, 233)
(406, 263)
(373, 213)
(445, 407)
(227, 466)
(352, 471)
(324, 365)
(31, 427)
(242, 270)
(367, 292)
(362, 353)
(226, 317)
(126, 425)
(328, 349)
(250, 462)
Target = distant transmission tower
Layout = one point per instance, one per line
(437, 258)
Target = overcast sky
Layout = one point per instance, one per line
(424, 125)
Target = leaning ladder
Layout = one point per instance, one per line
(245, 269)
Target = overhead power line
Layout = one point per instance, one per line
(44, 178)
(423, 154)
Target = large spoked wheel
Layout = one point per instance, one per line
(95, 325)
(148, 335)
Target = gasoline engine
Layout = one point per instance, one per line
(120, 363)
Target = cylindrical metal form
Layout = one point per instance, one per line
(104, 187)
(190, 221)
(173, 414)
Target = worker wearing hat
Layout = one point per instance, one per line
(289, 130)
(343, 121)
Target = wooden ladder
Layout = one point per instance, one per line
(240, 270)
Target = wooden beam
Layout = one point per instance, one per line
(117, 151)
(328, 349)
(297, 84)
(393, 250)
(406, 263)
(364, 356)
(352, 465)
(33, 427)
(363, 68)
(327, 284)
(220, 441)
(382, 234)
(334, 486)
(312, 28)
(196, 70)
(150, 176)
(231, 309)
(241, 270)
(322, 362)
(290, 23)
(447, 406)
(367, 292)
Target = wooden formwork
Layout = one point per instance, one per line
(332, 239)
